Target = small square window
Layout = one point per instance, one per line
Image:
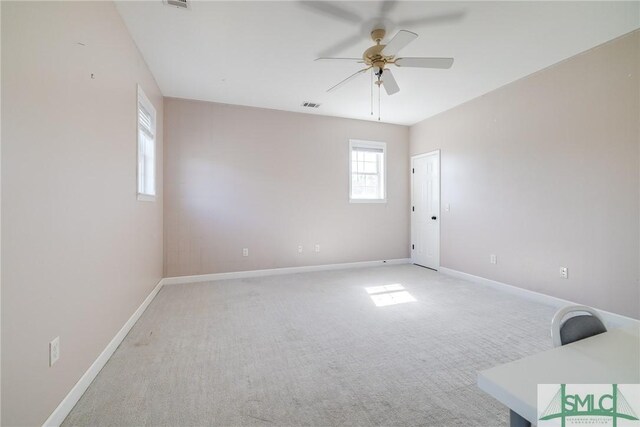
(367, 167)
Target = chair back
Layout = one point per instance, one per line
(576, 327)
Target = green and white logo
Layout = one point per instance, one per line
(564, 405)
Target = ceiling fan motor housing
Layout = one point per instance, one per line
(374, 57)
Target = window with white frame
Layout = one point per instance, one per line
(146, 148)
(367, 171)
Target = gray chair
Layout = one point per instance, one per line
(576, 327)
(516, 420)
(563, 332)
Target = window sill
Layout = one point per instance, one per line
(146, 197)
(367, 200)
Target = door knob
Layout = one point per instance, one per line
(433, 217)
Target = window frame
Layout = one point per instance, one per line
(143, 100)
(354, 143)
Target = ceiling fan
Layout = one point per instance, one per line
(380, 56)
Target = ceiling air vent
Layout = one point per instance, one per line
(182, 4)
(310, 104)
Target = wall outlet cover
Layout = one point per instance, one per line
(54, 351)
(564, 273)
(245, 252)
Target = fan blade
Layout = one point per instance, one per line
(341, 45)
(324, 58)
(331, 10)
(387, 6)
(443, 63)
(389, 82)
(437, 19)
(357, 73)
(399, 41)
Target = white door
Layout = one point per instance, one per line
(425, 210)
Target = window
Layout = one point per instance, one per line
(146, 148)
(367, 171)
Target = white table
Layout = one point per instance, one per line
(609, 358)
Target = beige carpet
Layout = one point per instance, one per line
(314, 349)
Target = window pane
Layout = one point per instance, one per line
(365, 186)
(141, 163)
(370, 156)
(370, 167)
(356, 186)
(357, 156)
(149, 168)
(370, 193)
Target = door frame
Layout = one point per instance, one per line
(414, 157)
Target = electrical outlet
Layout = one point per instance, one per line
(245, 251)
(493, 259)
(300, 249)
(317, 248)
(54, 351)
(564, 273)
(447, 207)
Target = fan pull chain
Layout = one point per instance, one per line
(378, 102)
(372, 91)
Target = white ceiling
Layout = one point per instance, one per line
(261, 53)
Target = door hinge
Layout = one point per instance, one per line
(413, 208)
(413, 246)
(413, 170)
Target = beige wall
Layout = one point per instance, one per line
(79, 252)
(544, 173)
(268, 180)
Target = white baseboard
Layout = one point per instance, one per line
(611, 319)
(277, 271)
(67, 404)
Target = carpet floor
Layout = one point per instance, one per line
(316, 349)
